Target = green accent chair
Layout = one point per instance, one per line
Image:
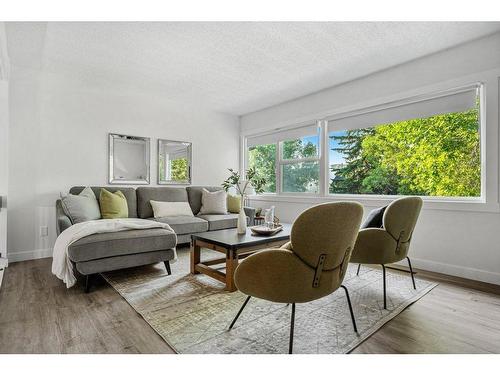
(311, 266)
(391, 243)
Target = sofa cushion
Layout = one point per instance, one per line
(194, 196)
(162, 193)
(129, 194)
(104, 245)
(218, 222)
(185, 224)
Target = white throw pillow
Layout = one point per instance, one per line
(214, 203)
(163, 209)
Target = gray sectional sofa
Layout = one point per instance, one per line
(111, 251)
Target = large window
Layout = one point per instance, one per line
(427, 146)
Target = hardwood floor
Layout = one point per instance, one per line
(39, 315)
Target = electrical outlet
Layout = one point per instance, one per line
(44, 231)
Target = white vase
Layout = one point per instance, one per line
(242, 222)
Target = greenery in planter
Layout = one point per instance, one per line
(253, 177)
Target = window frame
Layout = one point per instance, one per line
(246, 164)
(372, 199)
(281, 162)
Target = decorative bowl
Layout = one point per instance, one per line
(263, 230)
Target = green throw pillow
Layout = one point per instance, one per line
(233, 203)
(113, 205)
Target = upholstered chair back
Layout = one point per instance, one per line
(327, 230)
(313, 264)
(400, 218)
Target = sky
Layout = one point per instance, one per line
(334, 156)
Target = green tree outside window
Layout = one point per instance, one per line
(435, 156)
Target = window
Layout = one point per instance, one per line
(299, 164)
(429, 148)
(263, 159)
(289, 160)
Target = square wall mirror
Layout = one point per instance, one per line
(174, 162)
(129, 158)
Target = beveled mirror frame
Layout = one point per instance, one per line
(118, 181)
(189, 146)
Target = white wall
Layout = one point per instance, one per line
(4, 139)
(4, 165)
(58, 138)
(459, 240)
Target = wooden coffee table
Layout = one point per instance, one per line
(234, 246)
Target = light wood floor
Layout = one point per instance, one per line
(39, 315)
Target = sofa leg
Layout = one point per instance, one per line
(167, 267)
(87, 283)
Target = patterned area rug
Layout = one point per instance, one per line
(192, 312)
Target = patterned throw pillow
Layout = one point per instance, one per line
(113, 205)
(213, 202)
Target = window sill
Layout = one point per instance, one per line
(430, 203)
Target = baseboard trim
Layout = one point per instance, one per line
(454, 270)
(29, 255)
(426, 265)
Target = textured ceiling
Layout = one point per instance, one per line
(235, 67)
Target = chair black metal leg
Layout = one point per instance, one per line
(350, 308)
(87, 283)
(167, 266)
(292, 324)
(385, 297)
(411, 273)
(359, 267)
(239, 312)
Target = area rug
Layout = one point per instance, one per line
(192, 313)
